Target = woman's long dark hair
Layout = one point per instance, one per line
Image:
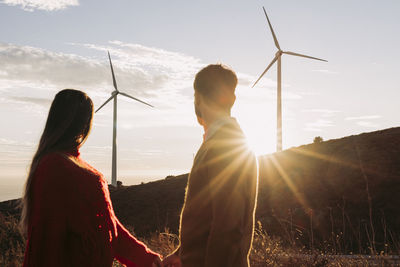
(67, 127)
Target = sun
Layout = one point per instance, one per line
(256, 115)
(259, 142)
(260, 137)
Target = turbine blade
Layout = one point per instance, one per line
(272, 30)
(112, 72)
(269, 66)
(300, 55)
(108, 100)
(134, 98)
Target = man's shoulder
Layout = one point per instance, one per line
(228, 143)
(228, 135)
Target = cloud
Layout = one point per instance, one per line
(157, 76)
(10, 142)
(310, 129)
(30, 77)
(326, 113)
(157, 67)
(264, 90)
(47, 5)
(321, 123)
(325, 71)
(41, 67)
(4, 141)
(247, 80)
(317, 125)
(369, 117)
(141, 71)
(43, 102)
(367, 124)
(364, 121)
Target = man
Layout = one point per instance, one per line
(217, 219)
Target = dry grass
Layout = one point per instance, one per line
(12, 244)
(270, 252)
(267, 251)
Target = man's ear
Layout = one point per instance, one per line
(197, 98)
(226, 99)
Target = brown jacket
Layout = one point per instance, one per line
(217, 219)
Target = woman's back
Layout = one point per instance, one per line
(71, 214)
(67, 212)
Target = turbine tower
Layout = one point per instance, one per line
(114, 95)
(277, 58)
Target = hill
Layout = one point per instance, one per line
(339, 196)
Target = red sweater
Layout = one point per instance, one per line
(72, 222)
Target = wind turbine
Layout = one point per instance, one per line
(114, 95)
(277, 57)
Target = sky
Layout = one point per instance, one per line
(158, 46)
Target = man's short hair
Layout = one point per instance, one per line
(217, 83)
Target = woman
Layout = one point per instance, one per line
(67, 213)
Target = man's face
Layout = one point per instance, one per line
(197, 107)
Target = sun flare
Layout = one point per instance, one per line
(258, 143)
(258, 128)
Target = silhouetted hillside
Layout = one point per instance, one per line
(151, 206)
(340, 195)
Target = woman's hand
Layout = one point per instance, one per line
(172, 261)
(157, 263)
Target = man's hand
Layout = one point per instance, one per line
(157, 263)
(172, 261)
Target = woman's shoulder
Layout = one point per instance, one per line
(51, 173)
(53, 161)
(62, 164)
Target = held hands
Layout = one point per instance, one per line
(157, 263)
(172, 261)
